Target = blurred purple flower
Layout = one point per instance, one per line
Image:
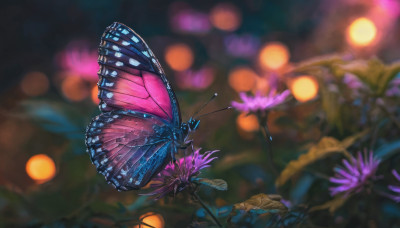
(354, 176)
(395, 189)
(188, 20)
(80, 60)
(177, 176)
(195, 80)
(352, 81)
(242, 45)
(260, 102)
(393, 88)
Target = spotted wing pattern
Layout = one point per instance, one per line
(129, 147)
(131, 77)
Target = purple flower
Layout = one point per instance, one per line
(352, 81)
(195, 79)
(355, 175)
(259, 102)
(395, 189)
(242, 45)
(393, 88)
(177, 176)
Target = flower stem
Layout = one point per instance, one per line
(390, 115)
(264, 129)
(206, 208)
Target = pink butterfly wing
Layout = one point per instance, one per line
(131, 78)
(128, 148)
(144, 92)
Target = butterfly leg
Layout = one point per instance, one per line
(173, 154)
(188, 143)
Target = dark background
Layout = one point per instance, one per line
(34, 33)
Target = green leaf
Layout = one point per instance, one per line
(140, 202)
(261, 204)
(329, 61)
(387, 150)
(374, 73)
(331, 205)
(331, 106)
(56, 118)
(325, 147)
(347, 142)
(218, 184)
(233, 160)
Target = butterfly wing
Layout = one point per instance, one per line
(128, 147)
(131, 78)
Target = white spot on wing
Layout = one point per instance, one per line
(109, 95)
(114, 73)
(104, 161)
(115, 38)
(115, 48)
(118, 63)
(125, 31)
(118, 54)
(109, 84)
(146, 53)
(135, 39)
(125, 43)
(95, 139)
(134, 62)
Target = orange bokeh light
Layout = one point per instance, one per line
(226, 16)
(262, 85)
(361, 32)
(274, 56)
(152, 219)
(179, 57)
(74, 88)
(40, 168)
(242, 79)
(247, 122)
(304, 88)
(95, 91)
(35, 83)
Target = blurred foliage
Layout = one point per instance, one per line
(325, 147)
(357, 107)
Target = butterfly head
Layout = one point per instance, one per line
(193, 124)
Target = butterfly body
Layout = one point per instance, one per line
(140, 128)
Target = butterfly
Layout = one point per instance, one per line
(140, 128)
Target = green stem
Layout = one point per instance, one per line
(206, 208)
(390, 115)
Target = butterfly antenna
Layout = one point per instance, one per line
(205, 104)
(219, 110)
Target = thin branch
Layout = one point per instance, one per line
(207, 209)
